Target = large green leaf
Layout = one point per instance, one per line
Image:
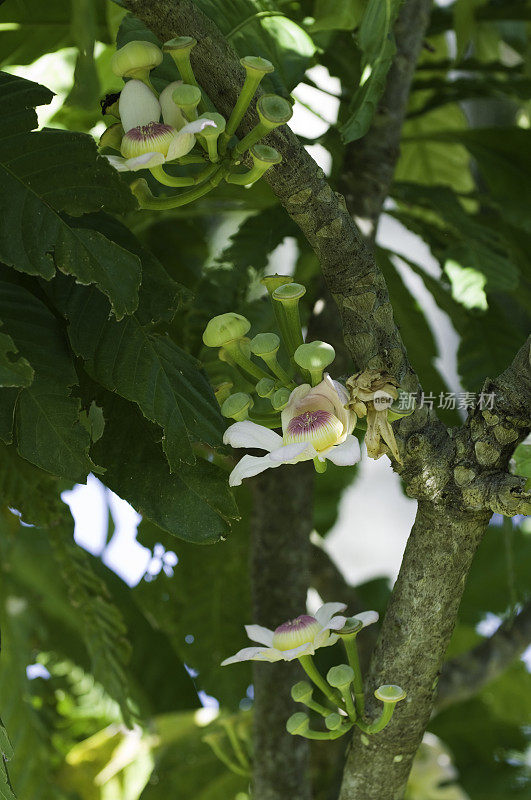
(33, 28)
(376, 42)
(145, 367)
(49, 172)
(194, 503)
(48, 431)
(29, 490)
(336, 15)
(270, 227)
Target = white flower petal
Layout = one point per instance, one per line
(137, 105)
(368, 617)
(171, 113)
(145, 161)
(198, 125)
(324, 614)
(336, 623)
(332, 639)
(249, 434)
(259, 634)
(184, 141)
(297, 652)
(340, 389)
(289, 452)
(118, 163)
(254, 654)
(345, 454)
(248, 467)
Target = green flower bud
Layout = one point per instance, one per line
(280, 399)
(289, 292)
(265, 387)
(211, 134)
(225, 328)
(333, 721)
(351, 627)
(179, 49)
(314, 357)
(265, 344)
(112, 137)
(223, 391)
(187, 96)
(298, 723)
(341, 676)
(256, 66)
(237, 406)
(272, 111)
(272, 282)
(135, 58)
(389, 693)
(302, 692)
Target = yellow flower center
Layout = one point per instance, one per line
(295, 632)
(152, 138)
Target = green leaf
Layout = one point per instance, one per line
(49, 172)
(145, 367)
(499, 574)
(14, 371)
(376, 42)
(522, 460)
(270, 227)
(8, 402)
(35, 494)
(48, 431)
(467, 285)
(336, 15)
(33, 28)
(428, 161)
(209, 599)
(194, 503)
(102, 626)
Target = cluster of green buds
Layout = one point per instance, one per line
(267, 367)
(192, 131)
(342, 705)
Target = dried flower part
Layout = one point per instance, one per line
(371, 393)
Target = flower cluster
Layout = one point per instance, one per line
(179, 127)
(314, 414)
(344, 703)
(313, 417)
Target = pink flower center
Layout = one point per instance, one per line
(295, 632)
(319, 428)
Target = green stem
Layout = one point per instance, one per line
(223, 757)
(272, 364)
(239, 358)
(315, 706)
(242, 103)
(182, 180)
(252, 137)
(289, 311)
(246, 178)
(313, 673)
(351, 709)
(192, 158)
(147, 200)
(309, 734)
(354, 661)
(235, 742)
(380, 723)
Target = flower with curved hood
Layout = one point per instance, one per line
(297, 637)
(147, 142)
(315, 424)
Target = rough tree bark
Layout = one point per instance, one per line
(281, 524)
(459, 477)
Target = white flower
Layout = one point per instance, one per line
(147, 142)
(315, 424)
(298, 637)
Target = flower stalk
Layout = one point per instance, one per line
(266, 346)
(146, 199)
(286, 299)
(272, 111)
(308, 665)
(263, 157)
(255, 69)
(162, 177)
(389, 695)
(349, 641)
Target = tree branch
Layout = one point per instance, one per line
(370, 162)
(466, 675)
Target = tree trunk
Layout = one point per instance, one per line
(281, 524)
